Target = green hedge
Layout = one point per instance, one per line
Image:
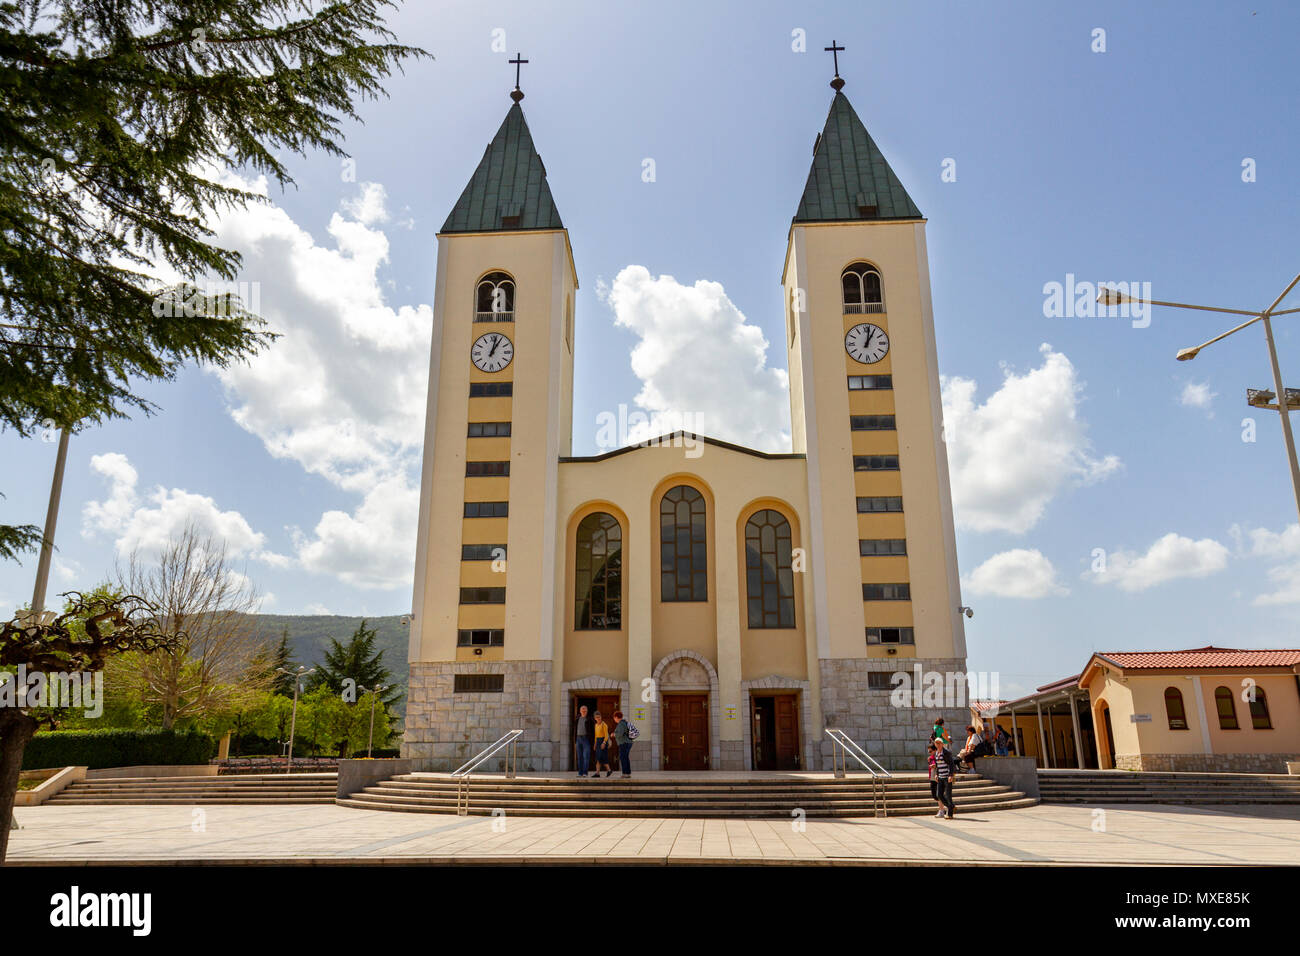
(116, 748)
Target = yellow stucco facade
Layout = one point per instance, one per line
(1204, 709)
(732, 602)
(1245, 719)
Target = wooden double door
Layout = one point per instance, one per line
(776, 731)
(686, 732)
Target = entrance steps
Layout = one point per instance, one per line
(1125, 786)
(298, 788)
(706, 794)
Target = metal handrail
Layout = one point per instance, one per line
(842, 749)
(461, 774)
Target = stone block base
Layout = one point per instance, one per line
(732, 755)
(894, 728)
(444, 729)
(1018, 773)
(1206, 763)
(355, 775)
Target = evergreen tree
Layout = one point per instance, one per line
(359, 661)
(282, 684)
(117, 121)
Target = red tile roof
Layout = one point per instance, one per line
(1205, 657)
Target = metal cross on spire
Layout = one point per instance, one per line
(835, 50)
(517, 94)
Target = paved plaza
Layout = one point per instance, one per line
(1040, 835)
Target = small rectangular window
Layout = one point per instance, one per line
(509, 222)
(482, 552)
(891, 635)
(478, 683)
(480, 637)
(482, 595)
(489, 429)
(872, 423)
(859, 383)
(881, 503)
(487, 469)
(880, 680)
(875, 463)
(875, 547)
(491, 389)
(487, 509)
(886, 592)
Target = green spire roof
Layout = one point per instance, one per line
(850, 179)
(508, 191)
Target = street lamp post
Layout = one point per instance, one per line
(1115, 297)
(293, 718)
(374, 695)
(47, 538)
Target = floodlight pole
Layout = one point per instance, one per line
(1109, 296)
(1287, 437)
(293, 718)
(374, 693)
(47, 537)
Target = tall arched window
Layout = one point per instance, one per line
(1227, 708)
(862, 289)
(683, 546)
(495, 299)
(598, 574)
(1259, 710)
(1174, 709)
(769, 577)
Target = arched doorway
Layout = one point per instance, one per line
(685, 712)
(1106, 748)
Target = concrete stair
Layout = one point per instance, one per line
(818, 795)
(298, 788)
(1123, 786)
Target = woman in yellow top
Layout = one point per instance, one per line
(601, 756)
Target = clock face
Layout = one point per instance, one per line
(866, 343)
(492, 352)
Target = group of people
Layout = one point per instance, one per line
(595, 739)
(944, 766)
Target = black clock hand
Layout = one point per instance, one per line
(495, 342)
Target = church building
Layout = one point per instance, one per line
(732, 603)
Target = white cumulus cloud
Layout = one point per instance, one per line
(1197, 395)
(700, 361)
(1015, 452)
(148, 522)
(371, 548)
(370, 206)
(1284, 548)
(1170, 558)
(1018, 573)
(342, 392)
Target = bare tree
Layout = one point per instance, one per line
(205, 605)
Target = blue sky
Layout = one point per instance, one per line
(1123, 165)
